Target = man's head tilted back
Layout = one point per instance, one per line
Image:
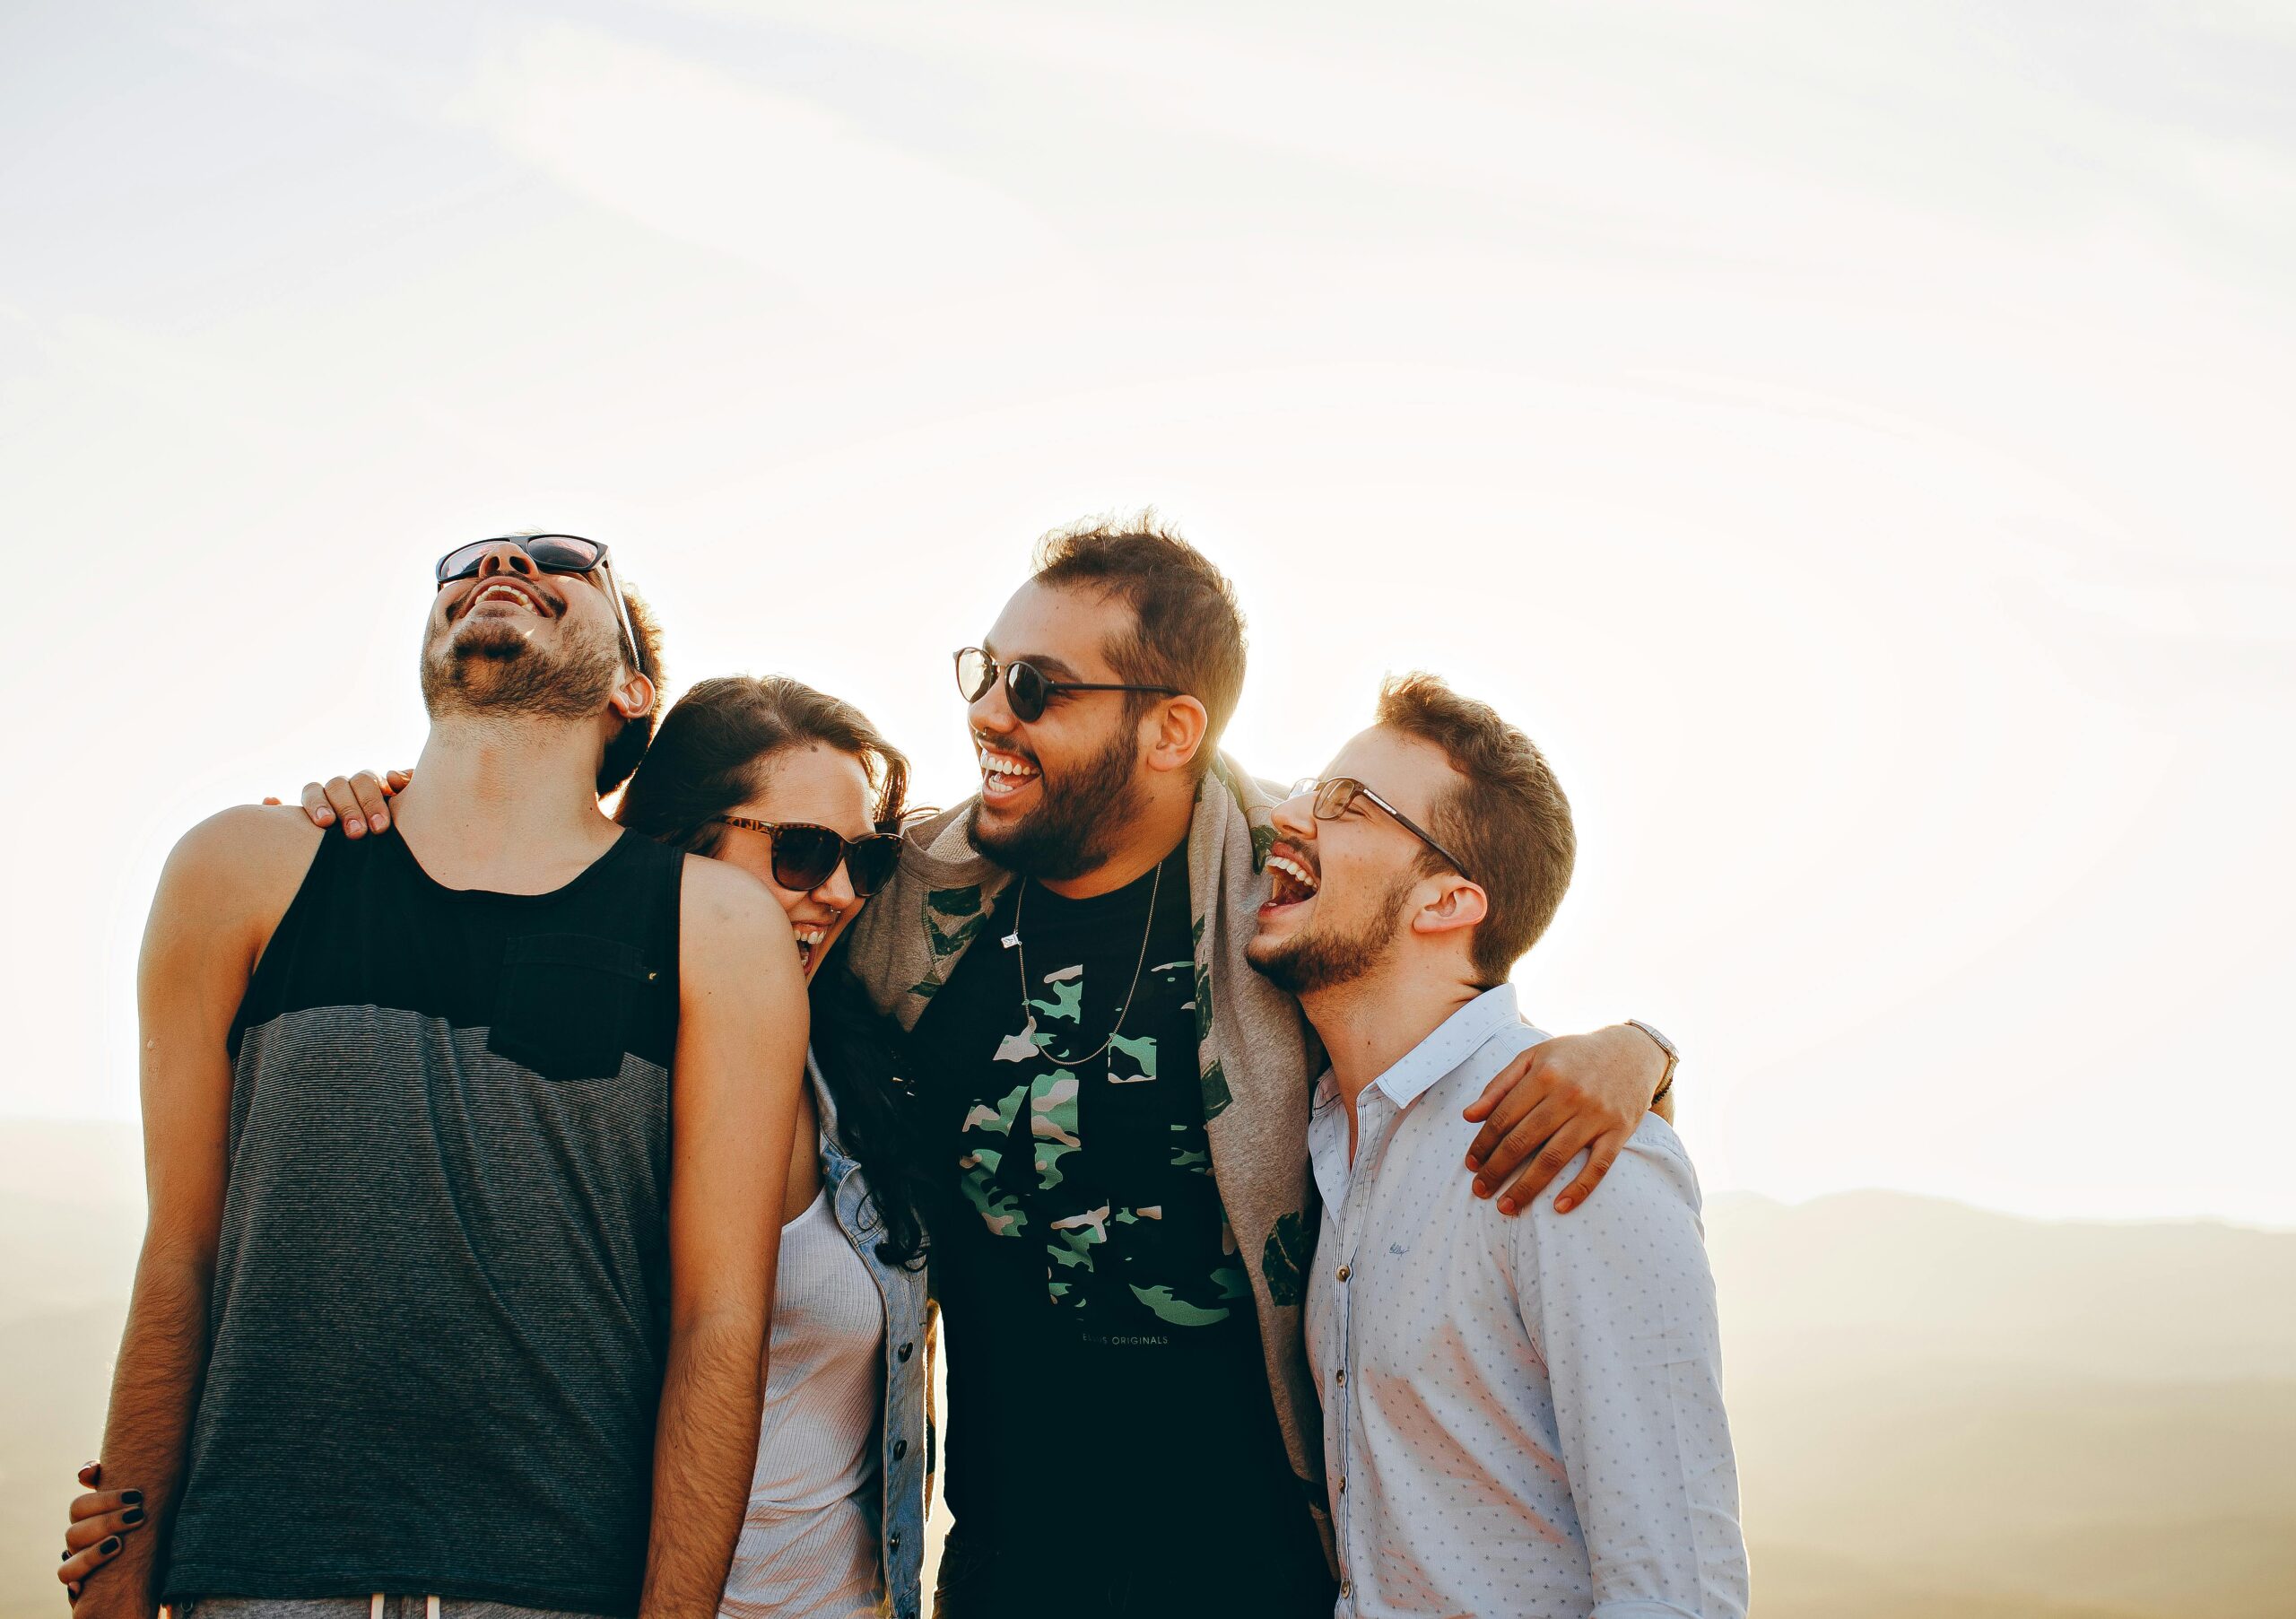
(1440, 836)
(537, 626)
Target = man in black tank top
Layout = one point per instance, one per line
(464, 1151)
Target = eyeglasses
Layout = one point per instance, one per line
(806, 857)
(1333, 796)
(552, 553)
(1027, 687)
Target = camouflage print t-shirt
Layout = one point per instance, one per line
(1109, 1415)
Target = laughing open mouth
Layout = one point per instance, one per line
(506, 593)
(1291, 880)
(1003, 774)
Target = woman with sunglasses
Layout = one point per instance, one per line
(800, 790)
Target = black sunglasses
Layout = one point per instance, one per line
(1028, 688)
(552, 553)
(806, 856)
(1333, 796)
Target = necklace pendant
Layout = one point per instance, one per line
(1013, 939)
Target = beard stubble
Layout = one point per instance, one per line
(1075, 826)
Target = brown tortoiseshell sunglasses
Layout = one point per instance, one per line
(806, 856)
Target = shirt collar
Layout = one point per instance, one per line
(1450, 1043)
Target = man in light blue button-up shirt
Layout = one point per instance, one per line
(1521, 1416)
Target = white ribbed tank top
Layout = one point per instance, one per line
(809, 1545)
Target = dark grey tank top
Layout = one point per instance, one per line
(439, 1319)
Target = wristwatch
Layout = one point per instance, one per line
(1665, 1080)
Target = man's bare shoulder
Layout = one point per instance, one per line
(730, 927)
(247, 846)
(228, 880)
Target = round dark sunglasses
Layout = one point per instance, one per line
(1027, 687)
(552, 553)
(1333, 798)
(806, 856)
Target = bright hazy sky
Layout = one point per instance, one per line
(1851, 436)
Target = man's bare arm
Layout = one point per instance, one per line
(223, 889)
(741, 1058)
(1574, 1093)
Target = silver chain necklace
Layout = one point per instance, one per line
(1028, 1010)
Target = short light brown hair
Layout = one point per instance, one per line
(1188, 632)
(1507, 818)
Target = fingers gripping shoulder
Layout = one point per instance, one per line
(1649, 1203)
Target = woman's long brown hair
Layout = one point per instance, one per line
(710, 757)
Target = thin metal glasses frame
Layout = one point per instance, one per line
(1333, 796)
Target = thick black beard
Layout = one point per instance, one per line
(481, 667)
(1075, 830)
(1312, 961)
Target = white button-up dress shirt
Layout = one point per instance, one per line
(1521, 1416)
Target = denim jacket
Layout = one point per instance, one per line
(902, 1431)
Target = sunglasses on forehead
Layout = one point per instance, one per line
(1027, 687)
(1335, 797)
(550, 553)
(806, 856)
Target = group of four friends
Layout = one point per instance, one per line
(547, 1211)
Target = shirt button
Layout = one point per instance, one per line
(1342, 1483)
(905, 1348)
(1342, 1272)
(1342, 1377)
(901, 1448)
(1346, 1589)
(892, 1541)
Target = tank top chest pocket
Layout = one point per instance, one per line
(563, 1003)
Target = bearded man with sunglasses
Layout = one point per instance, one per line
(1115, 1110)
(465, 1152)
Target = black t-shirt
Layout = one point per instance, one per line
(1110, 1425)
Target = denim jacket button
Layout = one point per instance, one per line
(905, 1348)
(901, 1448)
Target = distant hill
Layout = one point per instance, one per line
(1867, 1276)
(1940, 1414)
(1942, 1411)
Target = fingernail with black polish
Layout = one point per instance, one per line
(110, 1545)
(131, 1498)
(132, 1514)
